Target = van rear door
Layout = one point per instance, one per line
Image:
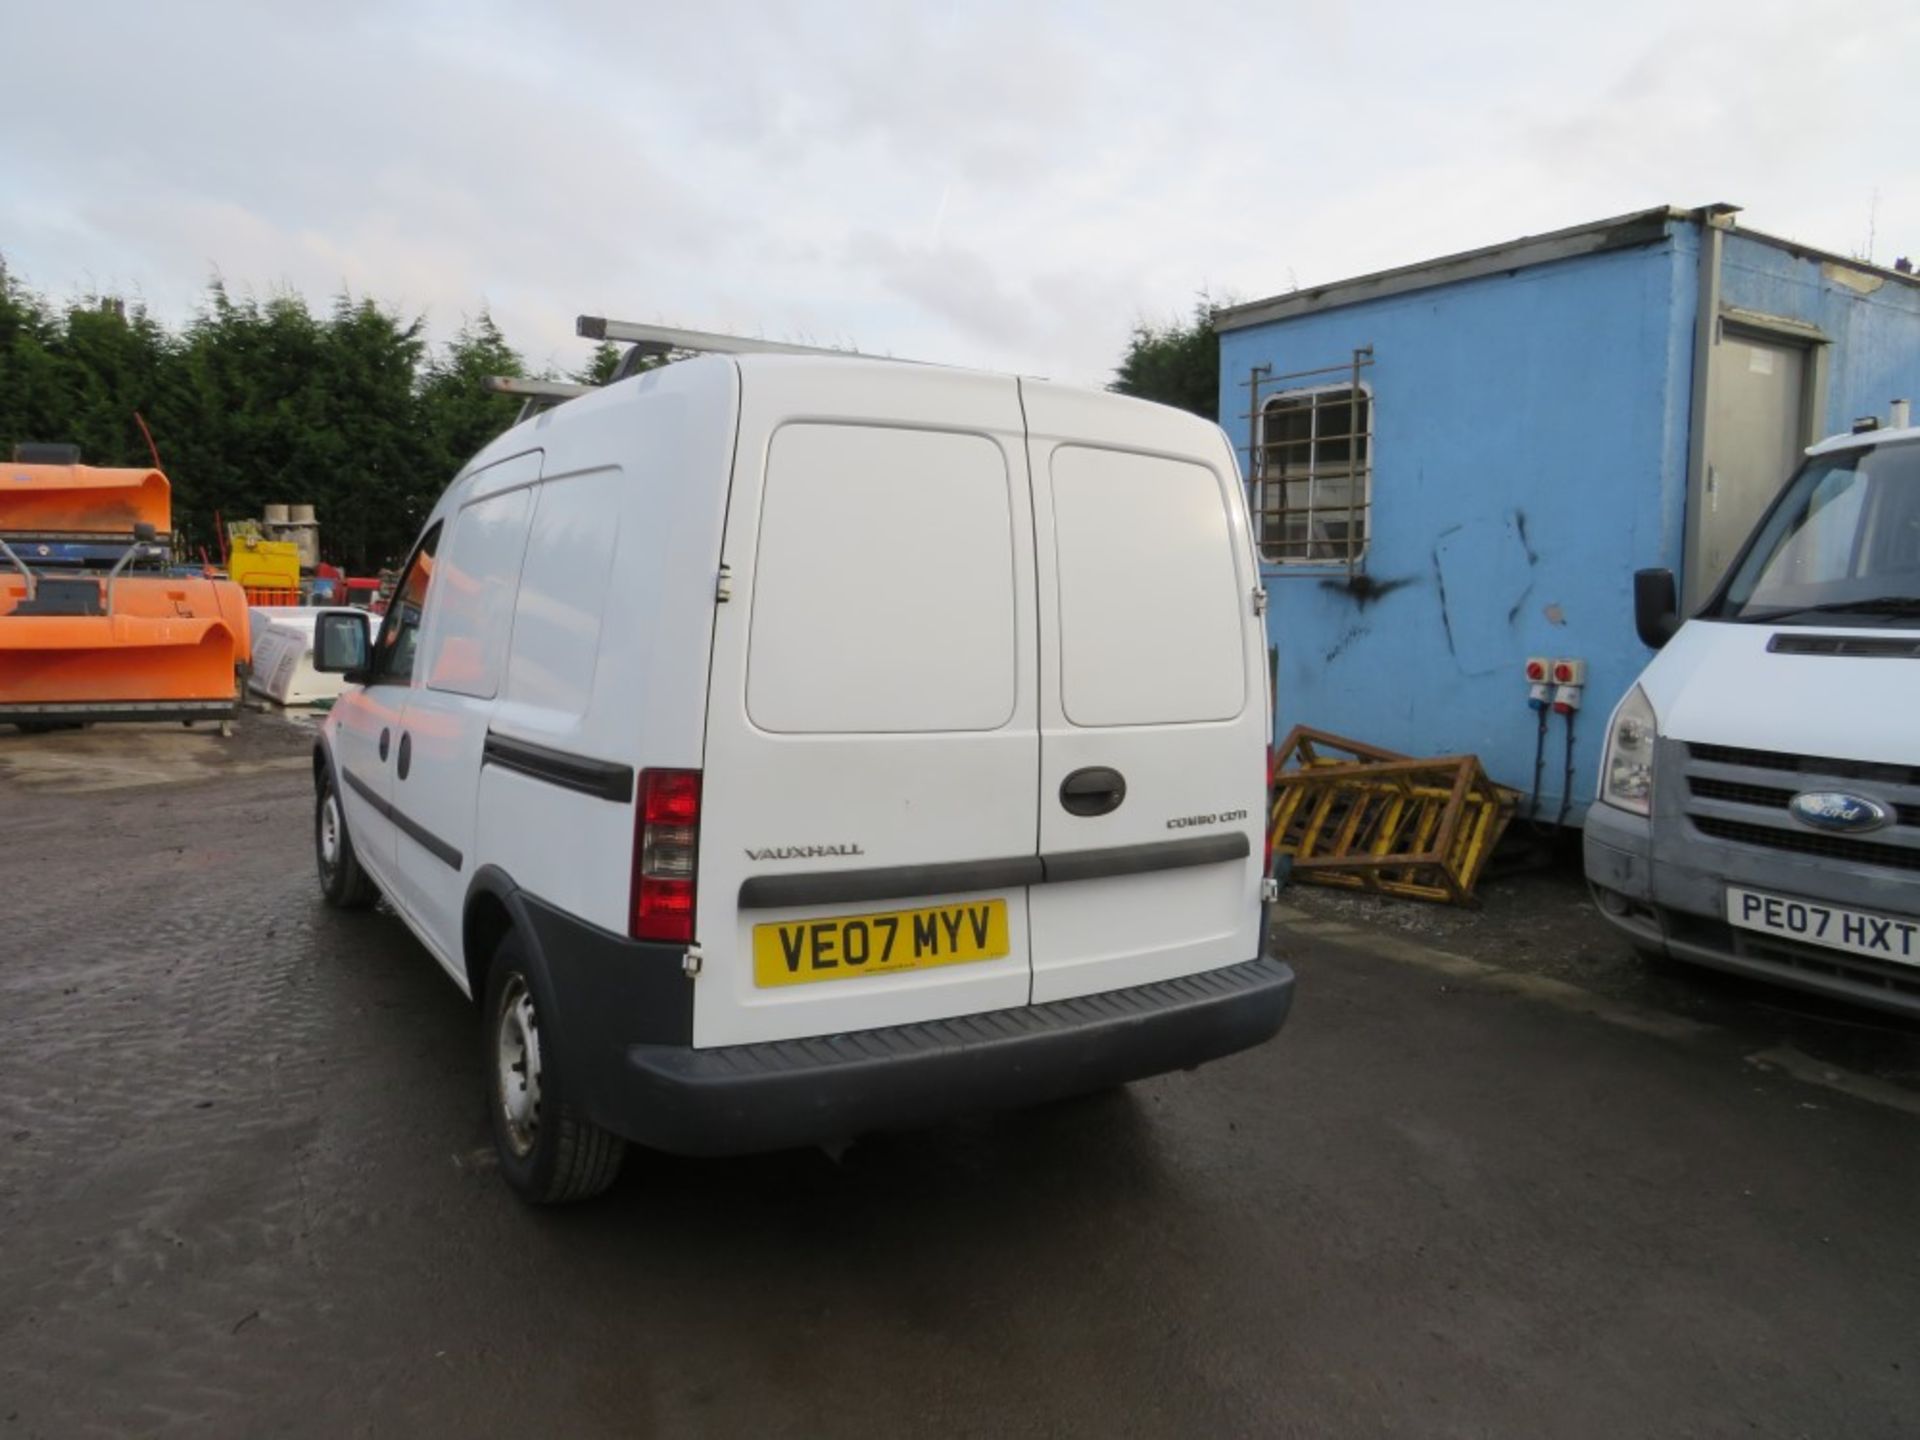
(1153, 705)
(869, 821)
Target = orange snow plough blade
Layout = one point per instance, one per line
(82, 500)
(98, 667)
(167, 651)
(100, 630)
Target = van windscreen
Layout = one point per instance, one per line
(1842, 542)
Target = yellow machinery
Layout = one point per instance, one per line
(268, 570)
(94, 624)
(1362, 818)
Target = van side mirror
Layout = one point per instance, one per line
(1656, 607)
(342, 641)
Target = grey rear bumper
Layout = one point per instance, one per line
(745, 1098)
(622, 1013)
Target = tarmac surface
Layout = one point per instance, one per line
(246, 1189)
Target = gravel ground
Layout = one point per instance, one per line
(245, 1190)
(1542, 921)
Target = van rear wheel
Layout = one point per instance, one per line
(549, 1152)
(344, 884)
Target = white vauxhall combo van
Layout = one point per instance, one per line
(1760, 788)
(779, 748)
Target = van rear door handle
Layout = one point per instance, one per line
(406, 754)
(1096, 790)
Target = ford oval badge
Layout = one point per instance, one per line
(1833, 810)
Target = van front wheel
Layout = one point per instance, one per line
(549, 1152)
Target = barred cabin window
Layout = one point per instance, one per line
(1313, 476)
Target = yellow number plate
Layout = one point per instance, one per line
(795, 952)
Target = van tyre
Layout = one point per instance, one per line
(550, 1153)
(344, 884)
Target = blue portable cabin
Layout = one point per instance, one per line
(1458, 465)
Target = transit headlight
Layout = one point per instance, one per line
(1626, 770)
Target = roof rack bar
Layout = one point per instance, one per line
(535, 396)
(535, 389)
(662, 339)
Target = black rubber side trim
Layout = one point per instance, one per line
(412, 829)
(602, 779)
(613, 991)
(1141, 859)
(600, 991)
(838, 887)
(892, 882)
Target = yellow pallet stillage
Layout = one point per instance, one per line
(1355, 816)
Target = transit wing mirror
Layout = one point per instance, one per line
(342, 644)
(1656, 607)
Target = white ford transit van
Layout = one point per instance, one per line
(779, 748)
(1760, 789)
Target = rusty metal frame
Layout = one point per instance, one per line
(1358, 817)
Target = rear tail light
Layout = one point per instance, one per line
(666, 845)
(1266, 813)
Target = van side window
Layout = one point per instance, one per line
(473, 607)
(558, 612)
(400, 634)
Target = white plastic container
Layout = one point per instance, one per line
(283, 656)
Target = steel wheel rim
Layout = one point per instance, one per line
(329, 832)
(516, 1063)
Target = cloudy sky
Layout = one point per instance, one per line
(1008, 185)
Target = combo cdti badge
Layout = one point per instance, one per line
(781, 748)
